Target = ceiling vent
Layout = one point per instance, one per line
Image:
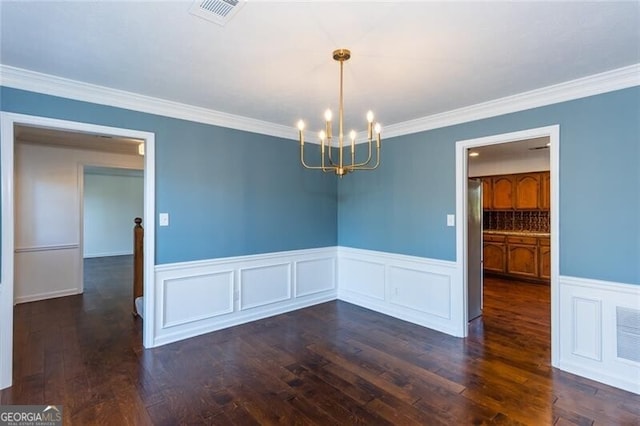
(216, 11)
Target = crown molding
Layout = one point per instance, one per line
(608, 81)
(32, 81)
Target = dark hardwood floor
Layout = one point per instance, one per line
(334, 364)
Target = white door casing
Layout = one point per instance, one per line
(8, 121)
(553, 133)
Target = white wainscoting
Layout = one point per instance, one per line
(194, 298)
(419, 290)
(588, 330)
(46, 272)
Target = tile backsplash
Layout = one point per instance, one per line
(517, 220)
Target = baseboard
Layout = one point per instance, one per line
(193, 298)
(590, 330)
(414, 289)
(47, 295)
(108, 254)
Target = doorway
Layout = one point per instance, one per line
(111, 198)
(463, 209)
(10, 123)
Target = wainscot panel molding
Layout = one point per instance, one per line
(58, 274)
(194, 298)
(109, 254)
(589, 331)
(410, 288)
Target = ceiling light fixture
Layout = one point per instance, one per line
(473, 154)
(141, 148)
(339, 167)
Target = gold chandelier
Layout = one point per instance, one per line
(327, 163)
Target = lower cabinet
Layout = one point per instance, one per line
(545, 259)
(494, 257)
(518, 256)
(522, 256)
(494, 254)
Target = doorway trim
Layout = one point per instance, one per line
(8, 121)
(462, 168)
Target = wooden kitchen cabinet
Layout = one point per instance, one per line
(518, 256)
(502, 192)
(545, 190)
(487, 187)
(527, 191)
(545, 259)
(521, 191)
(522, 256)
(494, 253)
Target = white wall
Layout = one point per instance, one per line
(47, 217)
(112, 199)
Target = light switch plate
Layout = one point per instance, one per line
(164, 219)
(451, 220)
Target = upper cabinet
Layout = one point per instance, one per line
(522, 191)
(545, 194)
(487, 193)
(527, 191)
(502, 192)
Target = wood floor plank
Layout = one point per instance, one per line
(330, 364)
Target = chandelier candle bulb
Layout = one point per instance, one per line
(352, 135)
(327, 119)
(369, 124)
(301, 130)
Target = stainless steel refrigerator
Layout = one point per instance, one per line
(474, 248)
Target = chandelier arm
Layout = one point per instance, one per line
(377, 162)
(305, 165)
(329, 150)
(364, 163)
(324, 167)
(353, 155)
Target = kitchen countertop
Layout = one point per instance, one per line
(517, 233)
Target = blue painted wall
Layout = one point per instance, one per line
(228, 192)
(232, 193)
(402, 207)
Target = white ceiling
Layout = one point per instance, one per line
(520, 156)
(272, 61)
(508, 151)
(76, 140)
